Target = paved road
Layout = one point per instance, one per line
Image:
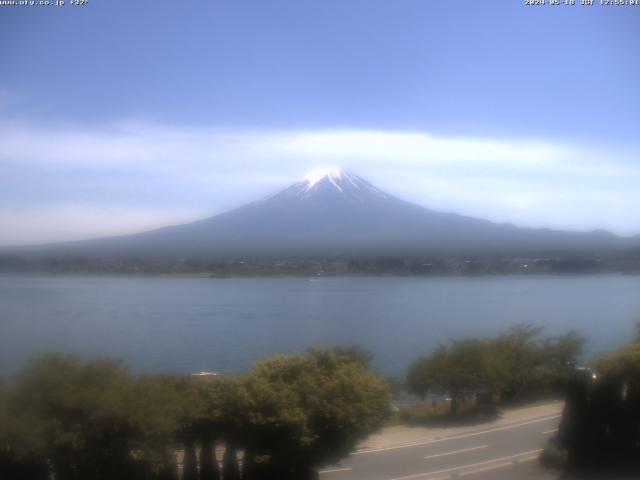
(498, 452)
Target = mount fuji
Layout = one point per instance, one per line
(333, 212)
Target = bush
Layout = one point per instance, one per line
(553, 456)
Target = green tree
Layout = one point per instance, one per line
(467, 365)
(506, 366)
(529, 363)
(217, 417)
(154, 413)
(464, 366)
(304, 411)
(21, 451)
(560, 354)
(520, 354)
(92, 420)
(352, 353)
(418, 377)
(622, 365)
(82, 413)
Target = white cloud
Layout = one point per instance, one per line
(138, 145)
(420, 148)
(524, 181)
(78, 222)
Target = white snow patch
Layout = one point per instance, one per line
(333, 173)
(345, 182)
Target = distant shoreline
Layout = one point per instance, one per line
(205, 276)
(330, 266)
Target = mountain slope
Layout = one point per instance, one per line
(334, 212)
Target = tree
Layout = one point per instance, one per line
(189, 462)
(92, 420)
(519, 354)
(418, 377)
(622, 365)
(82, 414)
(304, 411)
(217, 418)
(526, 362)
(230, 471)
(464, 365)
(352, 353)
(154, 413)
(516, 361)
(208, 462)
(19, 444)
(560, 354)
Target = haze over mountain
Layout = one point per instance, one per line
(335, 212)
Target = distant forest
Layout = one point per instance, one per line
(330, 266)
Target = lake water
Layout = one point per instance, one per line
(192, 324)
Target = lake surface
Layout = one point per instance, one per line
(192, 324)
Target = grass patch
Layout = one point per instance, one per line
(438, 413)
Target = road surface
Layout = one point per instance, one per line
(499, 451)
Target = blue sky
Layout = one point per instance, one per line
(120, 116)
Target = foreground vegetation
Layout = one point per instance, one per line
(67, 419)
(516, 366)
(600, 428)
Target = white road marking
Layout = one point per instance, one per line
(335, 470)
(471, 465)
(456, 451)
(455, 437)
(493, 467)
(550, 431)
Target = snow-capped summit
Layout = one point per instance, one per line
(331, 181)
(332, 174)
